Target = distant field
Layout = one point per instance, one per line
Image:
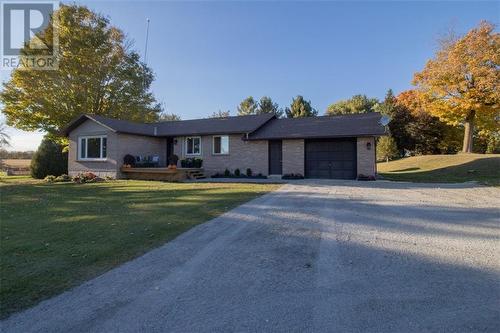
(16, 166)
(13, 163)
(444, 169)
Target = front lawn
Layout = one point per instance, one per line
(444, 168)
(54, 236)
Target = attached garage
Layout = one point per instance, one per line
(331, 147)
(331, 158)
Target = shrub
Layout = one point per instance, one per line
(49, 159)
(50, 179)
(227, 173)
(292, 176)
(249, 172)
(237, 172)
(87, 177)
(129, 160)
(63, 178)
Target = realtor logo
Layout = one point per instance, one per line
(24, 44)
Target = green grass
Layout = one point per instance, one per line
(55, 236)
(444, 169)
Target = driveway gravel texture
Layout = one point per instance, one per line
(313, 256)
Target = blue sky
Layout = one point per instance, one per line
(210, 55)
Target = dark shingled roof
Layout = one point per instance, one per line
(321, 127)
(229, 125)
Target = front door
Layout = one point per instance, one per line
(275, 157)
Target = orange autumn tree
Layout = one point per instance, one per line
(460, 85)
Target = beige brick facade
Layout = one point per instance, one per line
(293, 157)
(242, 155)
(366, 157)
(118, 145)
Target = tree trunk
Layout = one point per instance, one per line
(469, 132)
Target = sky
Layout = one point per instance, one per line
(208, 56)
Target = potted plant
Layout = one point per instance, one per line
(128, 161)
(172, 161)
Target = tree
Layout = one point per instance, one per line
(266, 105)
(415, 130)
(98, 74)
(300, 108)
(387, 148)
(387, 106)
(247, 106)
(169, 117)
(49, 159)
(220, 114)
(4, 137)
(356, 104)
(460, 85)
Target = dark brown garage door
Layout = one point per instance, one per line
(334, 159)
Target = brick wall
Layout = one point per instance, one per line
(137, 145)
(109, 167)
(118, 145)
(293, 156)
(242, 155)
(366, 158)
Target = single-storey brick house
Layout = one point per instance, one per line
(316, 147)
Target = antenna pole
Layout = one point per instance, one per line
(146, 46)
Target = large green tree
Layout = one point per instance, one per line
(300, 108)
(460, 85)
(247, 106)
(355, 104)
(98, 74)
(266, 105)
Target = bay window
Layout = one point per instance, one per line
(92, 147)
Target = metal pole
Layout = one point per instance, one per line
(146, 46)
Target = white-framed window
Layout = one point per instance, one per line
(92, 148)
(220, 145)
(193, 145)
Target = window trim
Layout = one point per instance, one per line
(186, 145)
(213, 144)
(86, 137)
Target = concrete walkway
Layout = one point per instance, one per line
(310, 257)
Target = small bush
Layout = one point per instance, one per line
(87, 177)
(227, 173)
(292, 176)
(50, 179)
(49, 159)
(63, 178)
(237, 172)
(249, 172)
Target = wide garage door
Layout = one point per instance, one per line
(334, 159)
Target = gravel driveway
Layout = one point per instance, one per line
(310, 257)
